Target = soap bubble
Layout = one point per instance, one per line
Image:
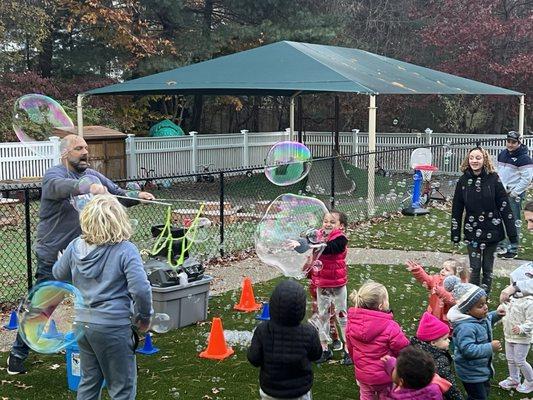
(280, 238)
(518, 223)
(161, 323)
(287, 163)
(199, 230)
(34, 118)
(47, 316)
(84, 189)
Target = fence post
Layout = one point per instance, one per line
(28, 230)
(428, 133)
(245, 149)
(56, 155)
(288, 134)
(194, 151)
(221, 195)
(355, 146)
(132, 156)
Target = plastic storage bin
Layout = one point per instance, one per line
(185, 304)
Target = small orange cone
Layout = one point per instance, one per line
(247, 302)
(217, 349)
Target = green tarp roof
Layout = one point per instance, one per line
(285, 68)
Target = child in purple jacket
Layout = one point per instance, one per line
(413, 374)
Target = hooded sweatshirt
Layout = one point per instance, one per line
(515, 169)
(370, 335)
(284, 347)
(59, 220)
(472, 339)
(111, 280)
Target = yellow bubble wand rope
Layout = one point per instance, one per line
(165, 238)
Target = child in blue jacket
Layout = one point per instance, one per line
(472, 335)
(108, 271)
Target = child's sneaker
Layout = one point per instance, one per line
(337, 345)
(15, 365)
(509, 383)
(326, 356)
(347, 360)
(526, 387)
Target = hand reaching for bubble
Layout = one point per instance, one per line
(97, 188)
(412, 265)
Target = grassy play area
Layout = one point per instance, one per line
(176, 372)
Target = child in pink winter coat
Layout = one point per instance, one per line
(440, 300)
(372, 333)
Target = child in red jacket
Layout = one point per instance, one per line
(440, 300)
(331, 281)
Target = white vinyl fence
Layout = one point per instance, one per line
(182, 154)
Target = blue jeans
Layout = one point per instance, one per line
(516, 208)
(107, 352)
(477, 391)
(44, 273)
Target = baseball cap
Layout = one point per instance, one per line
(514, 135)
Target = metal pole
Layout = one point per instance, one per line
(337, 111)
(221, 195)
(521, 111)
(372, 155)
(28, 236)
(79, 113)
(332, 194)
(291, 114)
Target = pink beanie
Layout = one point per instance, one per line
(431, 328)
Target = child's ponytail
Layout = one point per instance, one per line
(370, 296)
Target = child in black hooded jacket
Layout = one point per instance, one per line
(284, 348)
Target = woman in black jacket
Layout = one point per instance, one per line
(284, 347)
(481, 198)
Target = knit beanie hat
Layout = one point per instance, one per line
(466, 295)
(431, 328)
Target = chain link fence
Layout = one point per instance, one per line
(233, 200)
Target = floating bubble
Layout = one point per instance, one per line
(287, 163)
(47, 317)
(280, 238)
(161, 323)
(518, 223)
(35, 116)
(199, 231)
(133, 186)
(84, 189)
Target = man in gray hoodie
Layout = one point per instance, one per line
(59, 220)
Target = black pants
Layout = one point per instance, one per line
(44, 273)
(477, 391)
(482, 259)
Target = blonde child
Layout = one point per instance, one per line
(472, 335)
(107, 269)
(372, 333)
(517, 328)
(331, 281)
(440, 300)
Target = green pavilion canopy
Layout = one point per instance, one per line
(285, 68)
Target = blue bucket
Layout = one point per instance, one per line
(73, 364)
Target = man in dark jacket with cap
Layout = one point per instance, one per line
(515, 169)
(284, 347)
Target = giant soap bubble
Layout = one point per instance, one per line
(47, 316)
(286, 236)
(287, 163)
(34, 118)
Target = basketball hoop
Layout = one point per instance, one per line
(426, 170)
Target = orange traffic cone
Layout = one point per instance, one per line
(216, 344)
(247, 302)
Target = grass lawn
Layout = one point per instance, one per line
(428, 232)
(177, 372)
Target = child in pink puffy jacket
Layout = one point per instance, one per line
(372, 333)
(440, 300)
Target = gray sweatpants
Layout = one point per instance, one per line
(107, 352)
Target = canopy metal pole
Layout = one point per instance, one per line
(291, 114)
(79, 113)
(372, 155)
(521, 111)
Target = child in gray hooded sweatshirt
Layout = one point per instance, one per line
(108, 271)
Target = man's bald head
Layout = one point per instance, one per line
(74, 153)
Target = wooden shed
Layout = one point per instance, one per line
(107, 149)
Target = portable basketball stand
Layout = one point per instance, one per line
(422, 173)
